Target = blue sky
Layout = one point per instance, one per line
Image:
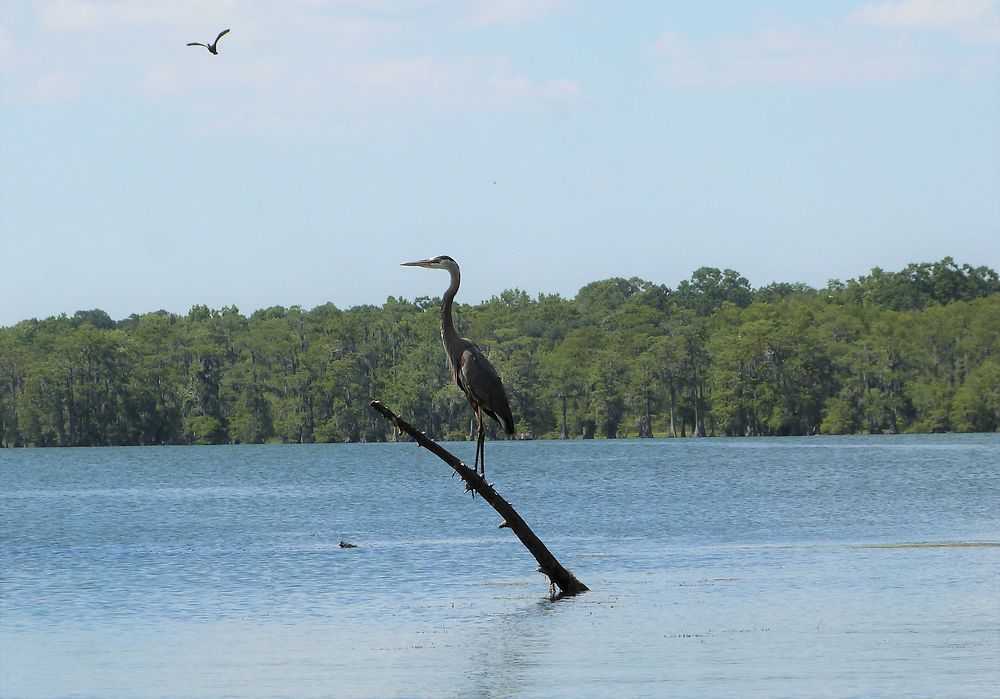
(543, 144)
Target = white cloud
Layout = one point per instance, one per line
(353, 64)
(94, 15)
(513, 11)
(556, 94)
(8, 51)
(413, 78)
(967, 20)
(48, 88)
(786, 55)
(881, 42)
(354, 96)
(468, 83)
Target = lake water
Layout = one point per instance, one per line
(799, 567)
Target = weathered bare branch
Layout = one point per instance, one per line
(547, 563)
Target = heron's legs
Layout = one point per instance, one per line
(480, 443)
(482, 452)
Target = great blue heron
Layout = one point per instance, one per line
(213, 47)
(473, 372)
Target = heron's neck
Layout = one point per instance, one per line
(447, 324)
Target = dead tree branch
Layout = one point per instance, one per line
(547, 563)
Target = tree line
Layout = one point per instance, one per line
(916, 350)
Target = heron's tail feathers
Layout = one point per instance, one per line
(507, 420)
(504, 417)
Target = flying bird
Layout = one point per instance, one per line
(473, 372)
(213, 47)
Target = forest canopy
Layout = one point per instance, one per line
(916, 350)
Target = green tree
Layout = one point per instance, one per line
(709, 288)
(976, 406)
(913, 350)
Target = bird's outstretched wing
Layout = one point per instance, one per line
(221, 34)
(195, 43)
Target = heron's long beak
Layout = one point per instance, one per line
(418, 263)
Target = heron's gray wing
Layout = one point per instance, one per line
(221, 34)
(476, 375)
(481, 382)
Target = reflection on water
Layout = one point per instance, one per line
(768, 567)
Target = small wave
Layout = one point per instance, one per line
(932, 545)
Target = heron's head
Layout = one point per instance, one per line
(439, 262)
